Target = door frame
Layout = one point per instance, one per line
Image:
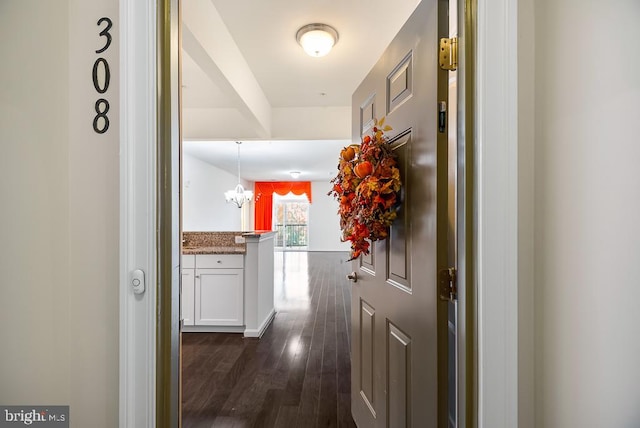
(279, 199)
(495, 210)
(149, 237)
(137, 377)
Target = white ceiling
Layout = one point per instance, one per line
(261, 160)
(245, 78)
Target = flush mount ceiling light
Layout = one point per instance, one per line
(295, 174)
(238, 195)
(317, 39)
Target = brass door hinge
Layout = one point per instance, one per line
(448, 285)
(449, 53)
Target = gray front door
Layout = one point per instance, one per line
(399, 326)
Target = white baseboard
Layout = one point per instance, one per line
(258, 332)
(212, 329)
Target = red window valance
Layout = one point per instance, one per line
(264, 191)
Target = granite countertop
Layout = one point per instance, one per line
(212, 243)
(258, 233)
(213, 250)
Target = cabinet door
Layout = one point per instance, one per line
(219, 297)
(187, 296)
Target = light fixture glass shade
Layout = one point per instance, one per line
(238, 195)
(295, 174)
(317, 39)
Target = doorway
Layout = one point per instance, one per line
(285, 244)
(291, 222)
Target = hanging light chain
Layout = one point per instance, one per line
(238, 143)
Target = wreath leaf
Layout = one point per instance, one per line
(367, 204)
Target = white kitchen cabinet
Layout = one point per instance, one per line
(212, 292)
(219, 297)
(187, 302)
(187, 290)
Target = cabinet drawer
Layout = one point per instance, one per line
(188, 261)
(220, 261)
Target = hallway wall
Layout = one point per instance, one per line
(203, 205)
(587, 199)
(59, 183)
(324, 227)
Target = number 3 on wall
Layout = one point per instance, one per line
(101, 76)
(105, 33)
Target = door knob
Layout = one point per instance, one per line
(353, 276)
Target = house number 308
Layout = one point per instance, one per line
(101, 77)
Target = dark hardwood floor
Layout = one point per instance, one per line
(297, 375)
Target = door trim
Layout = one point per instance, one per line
(137, 378)
(466, 222)
(497, 212)
(168, 402)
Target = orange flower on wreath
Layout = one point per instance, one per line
(367, 187)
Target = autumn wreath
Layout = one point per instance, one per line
(367, 187)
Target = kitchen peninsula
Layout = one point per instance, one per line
(227, 282)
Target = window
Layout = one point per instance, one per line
(291, 221)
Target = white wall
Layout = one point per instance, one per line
(203, 205)
(587, 200)
(59, 218)
(324, 222)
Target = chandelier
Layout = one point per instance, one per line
(238, 195)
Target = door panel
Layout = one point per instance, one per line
(399, 250)
(399, 369)
(368, 263)
(398, 321)
(367, 354)
(367, 113)
(400, 83)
